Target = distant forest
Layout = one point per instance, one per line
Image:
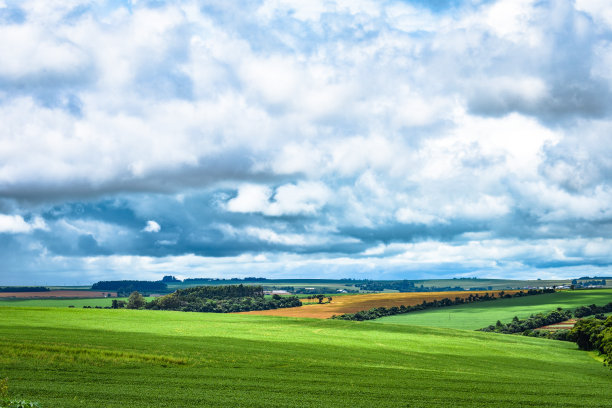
(24, 289)
(207, 280)
(128, 286)
(406, 286)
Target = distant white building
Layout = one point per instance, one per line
(275, 292)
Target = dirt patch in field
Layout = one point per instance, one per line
(356, 303)
(565, 325)
(56, 294)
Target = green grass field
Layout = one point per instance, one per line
(475, 316)
(131, 358)
(102, 302)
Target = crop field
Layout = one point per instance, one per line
(355, 303)
(481, 314)
(101, 302)
(495, 284)
(565, 325)
(136, 358)
(57, 294)
(332, 285)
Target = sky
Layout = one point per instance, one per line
(304, 139)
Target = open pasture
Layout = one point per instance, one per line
(477, 315)
(62, 302)
(57, 294)
(135, 358)
(355, 303)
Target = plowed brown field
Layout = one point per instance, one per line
(56, 294)
(566, 325)
(356, 303)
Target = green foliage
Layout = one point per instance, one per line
(583, 311)
(119, 304)
(221, 299)
(6, 402)
(128, 286)
(532, 322)
(135, 301)
(219, 292)
(402, 286)
(594, 334)
(24, 289)
(16, 403)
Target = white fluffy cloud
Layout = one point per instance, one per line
(15, 224)
(288, 199)
(152, 226)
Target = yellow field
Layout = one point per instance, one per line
(356, 303)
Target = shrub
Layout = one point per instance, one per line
(19, 404)
(6, 402)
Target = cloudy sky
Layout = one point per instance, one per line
(320, 138)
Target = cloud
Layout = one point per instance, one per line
(151, 226)
(289, 199)
(15, 224)
(374, 138)
(250, 198)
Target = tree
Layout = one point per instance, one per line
(118, 304)
(320, 297)
(136, 301)
(329, 299)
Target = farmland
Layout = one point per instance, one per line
(355, 303)
(135, 358)
(99, 302)
(57, 294)
(477, 315)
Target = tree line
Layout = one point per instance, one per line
(403, 286)
(206, 280)
(382, 311)
(129, 286)
(212, 299)
(219, 292)
(24, 289)
(532, 322)
(594, 334)
(544, 319)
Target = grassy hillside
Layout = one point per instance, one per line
(132, 358)
(478, 315)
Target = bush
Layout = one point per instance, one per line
(6, 402)
(136, 301)
(19, 404)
